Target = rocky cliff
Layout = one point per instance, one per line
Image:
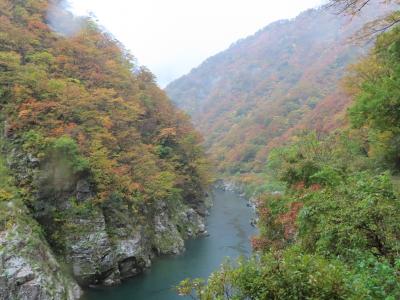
(99, 172)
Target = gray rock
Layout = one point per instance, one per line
(28, 268)
(167, 238)
(83, 190)
(89, 251)
(102, 246)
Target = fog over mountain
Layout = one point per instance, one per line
(285, 77)
(172, 37)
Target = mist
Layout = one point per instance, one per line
(62, 20)
(172, 37)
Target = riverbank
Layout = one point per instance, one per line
(229, 231)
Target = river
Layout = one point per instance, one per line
(230, 231)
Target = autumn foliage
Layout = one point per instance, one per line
(266, 88)
(85, 92)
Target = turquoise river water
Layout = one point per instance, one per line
(230, 231)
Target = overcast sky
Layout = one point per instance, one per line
(171, 37)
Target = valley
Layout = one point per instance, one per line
(270, 171)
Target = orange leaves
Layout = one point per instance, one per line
(37, 25)
(136, 187)
(63, 129)
(122, 170)
(30, 110)
(23, 114)
(263, 212)
(315, 187)
(166, 135)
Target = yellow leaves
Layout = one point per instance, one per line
(107, 123)
(380, 142)
(56, 86)
(5, 182)
(81, 139)
(162, 185)
(367, 69)
(19, 91)
(5, 195)
(6, 7)
(9, 60)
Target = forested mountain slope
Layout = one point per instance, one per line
(329, 229)
(98, 171)
(248, 98)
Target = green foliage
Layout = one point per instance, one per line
(327, 176)
(336, 237)
(317, 160)
(7, 186)
(380, 279)
(334, 234)
(9, 61)
(163, 151)
(44, 59)
(65, 148)
(34, 143)
(361, 215)
(377, 104)
(291, 275)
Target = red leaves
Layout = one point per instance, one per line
(277, 221)
(299, 186)
(288, 220)
(315, 187)
(259, 243)
(37, 25)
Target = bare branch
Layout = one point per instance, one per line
(371, 29)
(351, 7)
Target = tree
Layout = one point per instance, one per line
(354, 7)
(377, 104)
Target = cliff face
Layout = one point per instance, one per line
(100, 172)
(28, 267)
(248, 98)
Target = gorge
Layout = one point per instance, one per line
(108, 191)
(229, 232)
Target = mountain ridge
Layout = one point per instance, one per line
(246, 98)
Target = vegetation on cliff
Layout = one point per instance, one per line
(101, 158)
(82, 99)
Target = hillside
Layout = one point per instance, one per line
(99, 172)
(329, 226)
(249, 98)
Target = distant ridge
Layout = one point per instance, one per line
(285, 77)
